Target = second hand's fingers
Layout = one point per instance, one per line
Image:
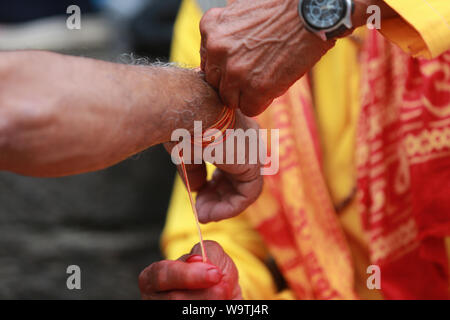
(233, 186)
(223, 197)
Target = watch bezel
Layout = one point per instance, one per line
(346, 20)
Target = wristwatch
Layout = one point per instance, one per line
(329, 19)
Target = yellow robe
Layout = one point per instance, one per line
(423, 30)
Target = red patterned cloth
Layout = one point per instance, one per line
(404, 169)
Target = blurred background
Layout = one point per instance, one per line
(107, 222)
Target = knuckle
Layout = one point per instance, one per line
(259, 85)
(160, 279)
(214, 14)
(191, 276)
(209, 19)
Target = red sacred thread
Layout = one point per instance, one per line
(217, 133)
(225, 121)
(194, 209)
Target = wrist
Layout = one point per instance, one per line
(200, 101)
(190, 99)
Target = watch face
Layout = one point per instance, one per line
(323, 14)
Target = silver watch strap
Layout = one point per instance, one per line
(205, 5)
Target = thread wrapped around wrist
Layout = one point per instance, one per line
(217, 132)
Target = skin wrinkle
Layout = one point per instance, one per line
(271, 23)
(259, 25)
(291, 19)
(273, 53)
(258, 41)
(266, 25)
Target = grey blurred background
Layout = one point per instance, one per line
(106, 222)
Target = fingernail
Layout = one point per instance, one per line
(213, 275)
(195, 258)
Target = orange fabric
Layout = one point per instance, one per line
(295, 214)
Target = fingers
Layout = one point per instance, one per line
(229, 91)
(218, 257)
(178, 275)
(214, 59)
(233, 186)
(213, 75)
(225, 196)
(252, 105)
(207, 24)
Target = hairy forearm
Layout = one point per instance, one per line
(63, 115)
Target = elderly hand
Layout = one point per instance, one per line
(188, 278)
(253, 51)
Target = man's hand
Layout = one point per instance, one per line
(233, 187)
(189, 278)
(253, 51)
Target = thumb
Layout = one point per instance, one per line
(214, 253)
(218, 257)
